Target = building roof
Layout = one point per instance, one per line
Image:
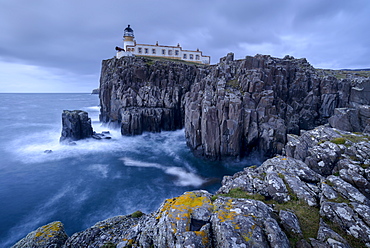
(128, 29)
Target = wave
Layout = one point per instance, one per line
(183, 177)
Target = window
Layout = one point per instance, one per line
(177, 52)
(140, 50)
(153, 51)
(169, 52)
(163, 51)
(146, 50)
(197, 57)
(184, 57)
(191, 56)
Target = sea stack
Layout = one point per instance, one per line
(76, 125)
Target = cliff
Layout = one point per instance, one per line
(231, 108)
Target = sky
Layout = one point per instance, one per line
(52, 46)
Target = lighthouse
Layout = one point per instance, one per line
(128, 37)
(131, 48)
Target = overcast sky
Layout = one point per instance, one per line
(58, 45)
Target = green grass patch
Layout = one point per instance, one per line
(137, 214)
(240, 193)
(233, 84)
(365, 165)
(339, 141)
(356, 138)
(309, 218)
(109, 245)
(151, 60)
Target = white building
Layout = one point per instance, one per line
(130, 47)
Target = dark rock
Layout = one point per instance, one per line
(303, 244)
(95, 91)
(76, 125)
(232, 108)
(48, 151)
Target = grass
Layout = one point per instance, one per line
(152, 60)
(233, 84)
(339, 141)
(356, 138)
(109, 245)
(342, 74)
(309, 217)
(137, 214)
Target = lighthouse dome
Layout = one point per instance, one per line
(128, 31)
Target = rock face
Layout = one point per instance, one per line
(145, 95)
(50, 235)
(76, 125)
(231, 108)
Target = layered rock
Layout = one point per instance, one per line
(141, 95)
(231, 108)
(76, 125)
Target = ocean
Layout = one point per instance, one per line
(93, 180)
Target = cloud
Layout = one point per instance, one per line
(19, 78)
(74, 36)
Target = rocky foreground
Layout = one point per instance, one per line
(318, 195)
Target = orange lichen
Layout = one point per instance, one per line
(204, 235)
(226, 213)
(48, 230)
(180, 208)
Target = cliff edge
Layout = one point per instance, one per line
(234, 107)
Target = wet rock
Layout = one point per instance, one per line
(50, 235)
(76, 125)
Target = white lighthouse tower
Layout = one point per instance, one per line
(128, 38)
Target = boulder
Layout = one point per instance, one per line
(50, 235)
(76, 125)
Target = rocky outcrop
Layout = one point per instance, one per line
(282, 203)
(95, 91)
(50, 235)
(140, 94)
(231, 108)
(317, 196)
(76, 125)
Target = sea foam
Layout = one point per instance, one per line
(183, 176)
